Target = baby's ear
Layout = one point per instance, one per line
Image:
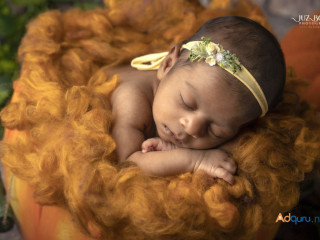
(169, 62)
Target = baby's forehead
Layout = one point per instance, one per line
(203, 82)
(204, 74)
(210, 80)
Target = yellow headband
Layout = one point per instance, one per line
(213, 54)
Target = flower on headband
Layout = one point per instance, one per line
(213, 54)
(211, 61)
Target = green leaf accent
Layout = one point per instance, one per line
(205, 41)
(231, 60)
(199, 52)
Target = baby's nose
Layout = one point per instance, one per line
(193, 125)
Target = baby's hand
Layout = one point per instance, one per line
(217, 163)
(156, 144)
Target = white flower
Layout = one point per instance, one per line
(210, 47)
(219, 48)
(211, 60)
(219, 57)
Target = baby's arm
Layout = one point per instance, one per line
(167, 160)
(214, 162)
(157, 144)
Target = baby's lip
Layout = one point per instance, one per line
(172, 134)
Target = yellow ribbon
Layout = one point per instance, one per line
(153, 62)
(149, 62)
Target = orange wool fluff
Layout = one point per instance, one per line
(65, 150)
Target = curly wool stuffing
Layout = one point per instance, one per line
(65, 150)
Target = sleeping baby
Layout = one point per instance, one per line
(184, 116)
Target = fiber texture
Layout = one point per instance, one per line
(65, 150)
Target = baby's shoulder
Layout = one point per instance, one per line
(133, 89)
(132, 100)
(129, 94)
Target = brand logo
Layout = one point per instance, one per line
(295, 219)
(312, 21)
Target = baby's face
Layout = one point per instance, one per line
(195, 111)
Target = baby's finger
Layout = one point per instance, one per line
(224, 174)
(149, 145)
(230, 165)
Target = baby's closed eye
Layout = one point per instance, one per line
(186, 104)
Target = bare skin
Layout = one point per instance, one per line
(163, 122)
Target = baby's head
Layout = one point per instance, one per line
(201, 106)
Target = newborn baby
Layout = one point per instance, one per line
(184, 116)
